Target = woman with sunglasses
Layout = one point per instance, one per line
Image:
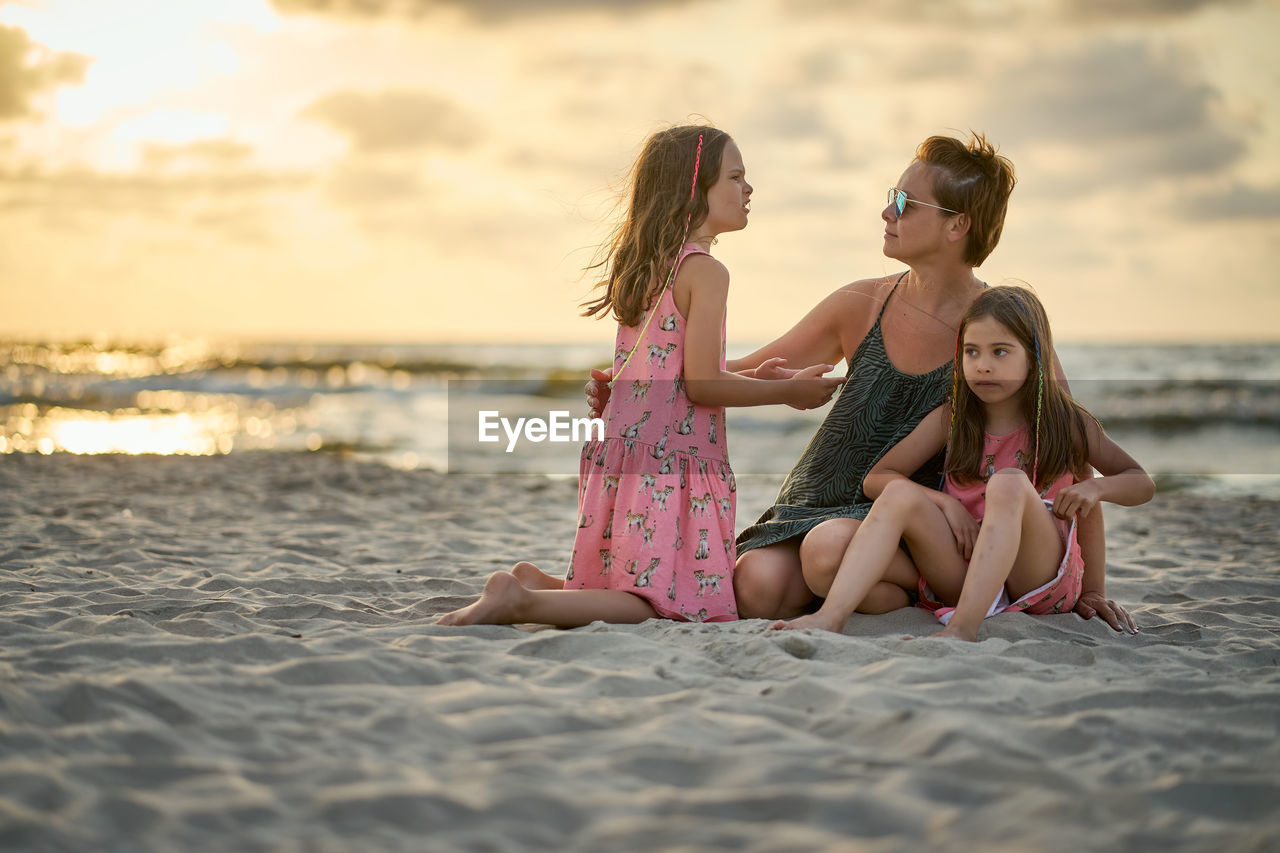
(898, 334)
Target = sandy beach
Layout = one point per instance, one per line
(239, 653)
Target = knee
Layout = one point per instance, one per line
(898, 496)
(826, 543)
(759, 585)
(822, 550)
(1009, 485)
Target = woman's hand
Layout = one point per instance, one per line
(597, 390)
(1096, 603)
(771, 368)
(1078, 499)
(810, 389)
(963, 526)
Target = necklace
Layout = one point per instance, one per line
(903, 299)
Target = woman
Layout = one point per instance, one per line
(898, 335)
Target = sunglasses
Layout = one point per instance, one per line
(899, 200)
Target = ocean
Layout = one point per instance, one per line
(1204, 418)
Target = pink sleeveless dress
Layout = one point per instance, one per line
(656, 498)
(1061, 593)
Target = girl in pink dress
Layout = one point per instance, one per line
(656, 496)
(1000, 535)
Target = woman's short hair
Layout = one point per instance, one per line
(975, 180)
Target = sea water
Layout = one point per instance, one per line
(1196, 416)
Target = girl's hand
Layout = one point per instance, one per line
(597, 390)
(1096, 604)
(963, 526)
(810, 389)
(1078, 499)
(771, 368)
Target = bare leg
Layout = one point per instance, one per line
(822, 552)
(505, 602)
(768, 584)
(532, 577)
(885, 597)
(1018, 546)
(870, 558)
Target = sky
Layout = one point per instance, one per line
(440, 170)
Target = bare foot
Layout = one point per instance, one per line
(956, 633)
(499, 604)
(809, 620)
(532, 577)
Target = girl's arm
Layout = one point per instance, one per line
(906, 457)
(1128, 482)
(832, 331)
(1122, 482)
(1092, 534)
(703, 286)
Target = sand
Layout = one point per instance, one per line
(238, 653)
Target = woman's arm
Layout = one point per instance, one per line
(702, 289)
(831, 331)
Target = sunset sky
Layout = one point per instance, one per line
(425, 170)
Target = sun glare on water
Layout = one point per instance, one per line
(83, 432)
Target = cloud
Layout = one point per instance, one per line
(204, 153)
(1235, 202)
(980, 13)
(84, 193)
(1121, 101)
(395, 120)
(1147, 11)
(948, 13)
(28, 68)
(146, 183)
(360, 185)
(489, 10)
(239, 206)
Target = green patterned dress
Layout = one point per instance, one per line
(878, 406)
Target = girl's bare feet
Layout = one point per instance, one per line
(810, 620)
(499, 604)
(955, 632)
(532, 577)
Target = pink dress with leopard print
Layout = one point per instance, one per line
(656, 497)
(1061, 593)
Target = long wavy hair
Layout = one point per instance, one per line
(641, 248)
(1055, 421)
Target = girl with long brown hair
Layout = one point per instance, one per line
(656, 496)
(1016, 445)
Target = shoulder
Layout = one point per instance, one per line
(852, 309)
(862, 299)
(702, 281)
(702, 272)
(1094, 435)
(873, 288)
(939, 420)
(702, 265)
